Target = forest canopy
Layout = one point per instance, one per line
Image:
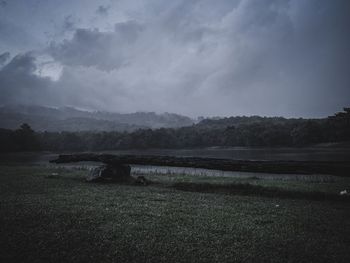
(232, 131)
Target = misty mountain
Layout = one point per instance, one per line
(43, 118)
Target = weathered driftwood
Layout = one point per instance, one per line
(288, 167)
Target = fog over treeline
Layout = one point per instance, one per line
(195, 58)
(71, 119)
(233, 131)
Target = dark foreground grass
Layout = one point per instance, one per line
(259, 190)
(46, 218)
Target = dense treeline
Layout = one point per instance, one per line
(23, 139)
(233, 131)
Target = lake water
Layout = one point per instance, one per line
(243, 153)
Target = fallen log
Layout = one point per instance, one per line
(280, 167)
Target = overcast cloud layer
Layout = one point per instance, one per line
(243, 57)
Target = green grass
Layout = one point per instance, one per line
(46, 218)
(329, 187)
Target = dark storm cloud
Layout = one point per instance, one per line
(68, 23)
(102, 10)
(20, 84)
(272, 57)
(91, 47)
(4, 57)
(295, 55)
(3, 3)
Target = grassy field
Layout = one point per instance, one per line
(60, 218)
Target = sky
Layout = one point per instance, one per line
(193, 57)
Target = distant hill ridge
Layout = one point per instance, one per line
(43, 118)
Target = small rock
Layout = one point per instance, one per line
(141, 180)
(344, 192)
(52, 175)
(110, 173)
